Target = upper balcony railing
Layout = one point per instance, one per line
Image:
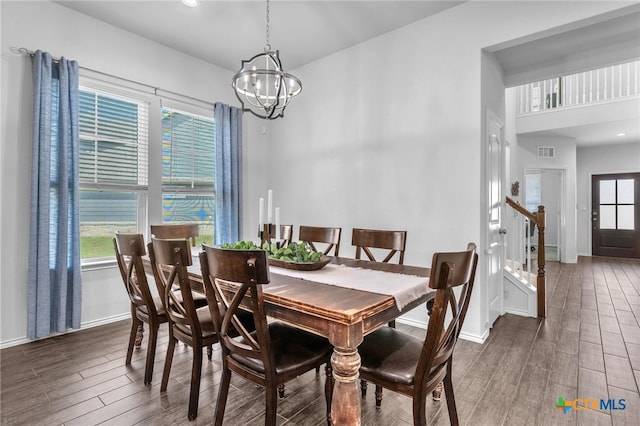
(604, 84)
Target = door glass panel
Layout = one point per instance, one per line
(625, 191)
(533, 196)
(625, 217)
(607, 217)
(607, 192)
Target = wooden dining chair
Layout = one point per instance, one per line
(274, 352)
(188, 323)
(286, 235)
(190, 231)
(392, 242)
(330, 237)
(180, 230)
(385, 243)
(145, 308)
(412, 366)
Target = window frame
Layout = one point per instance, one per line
(193, 110)
(141, 190)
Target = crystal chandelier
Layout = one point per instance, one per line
(262, 86)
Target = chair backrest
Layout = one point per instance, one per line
(367, 239)
(129, 249)
(169, 261)
(286, 234)
(449, 271)
(316, 234)
(232, 278)
(173, 231)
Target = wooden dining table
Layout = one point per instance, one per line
(341, 314)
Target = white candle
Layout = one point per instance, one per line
(277, 224)
(270, 207)
(261, 221)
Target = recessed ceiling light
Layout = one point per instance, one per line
(621, 134)
(191, 3)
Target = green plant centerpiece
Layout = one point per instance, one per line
(294, 252)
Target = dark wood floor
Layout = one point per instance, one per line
(588, 347)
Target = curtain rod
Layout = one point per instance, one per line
(26, 52)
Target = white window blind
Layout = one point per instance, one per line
(114, 160)
(188, 169)
(113, 140)
(188, 151)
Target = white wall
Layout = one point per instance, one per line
(620, 158)
(386, 134)
(61, 32)
(565, 160)
(550, 183)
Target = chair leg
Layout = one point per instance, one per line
(270, 406)
(167, 362)
(196, 370)
(451, 399)
(363, 387)
(328, 389)
(151, 353)
(223, 392)
(378, 396)
(419, 409)
(135, 322)
(419, 412)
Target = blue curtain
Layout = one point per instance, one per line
(228, 179)
(54, 292)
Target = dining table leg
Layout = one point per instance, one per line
(345, 406)
(139, 335)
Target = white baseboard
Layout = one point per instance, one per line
(90, 324)
(466, 336)
(413, 323)
(520, 313)
(474, 337)
(14, 342)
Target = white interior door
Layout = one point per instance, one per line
(495, 240)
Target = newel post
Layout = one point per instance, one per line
(541, 280)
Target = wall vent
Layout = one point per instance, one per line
(546, 152)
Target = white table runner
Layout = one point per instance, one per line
(403, 288)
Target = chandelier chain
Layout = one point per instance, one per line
(262, 86)
(268, 45)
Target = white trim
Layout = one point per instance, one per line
(413, 323)
(465, 336)
(474, 337)
(83, 326)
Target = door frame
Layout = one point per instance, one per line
(562, 204)
(490, 115)
(590, 195)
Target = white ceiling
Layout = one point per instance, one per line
(303, 30)
(598, 133)
(307, 30)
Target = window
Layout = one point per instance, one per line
(533, 197)
(617, 204)
(188, 170)
(113, 169)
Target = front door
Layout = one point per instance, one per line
(494, 250)
(615, 215)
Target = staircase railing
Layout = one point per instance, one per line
(538, 218)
